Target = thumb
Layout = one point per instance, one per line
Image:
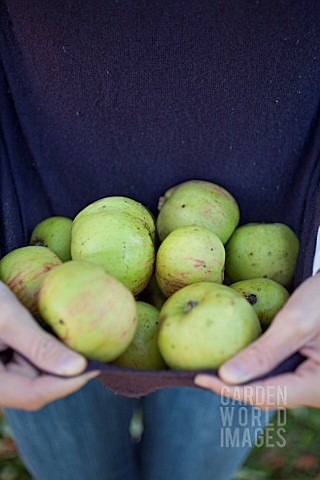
(50, 355)
(21, 332)
(260, 357)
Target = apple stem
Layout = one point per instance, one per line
(37, 242)
(190, 305)
(252, 298)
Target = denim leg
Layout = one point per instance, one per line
(84, 436)
(186, 437)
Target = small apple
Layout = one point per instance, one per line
(266, 296)
(89, 310)
(199, 203)
(143, 351)
(189, 255)
(54, 233)
(119, 242)
(152, 294)
(24, 270)
(262, 250)
(204, 324)
(121, 204)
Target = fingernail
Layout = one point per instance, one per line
(71, 363)
(202, 381)
(234, 372)
(83, 378)
(91, 375)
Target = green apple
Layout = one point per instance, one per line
(265, 250)
(203, 325)
(121, 204)
(143, 351)
(24, 270)
(89, 310)
(119, 242)
(152, 294)
(54, 233)
(189, 255)
(199, 203)
(266, 296)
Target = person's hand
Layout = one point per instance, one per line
(22, 385)
(296, 328)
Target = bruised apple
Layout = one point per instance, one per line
(89, 310)
(143, 351)
(266, 296)
(199, 203)
(204, 324)
(24, 270)
(189, 255)
(54, 233)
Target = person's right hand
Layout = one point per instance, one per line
(22, 385)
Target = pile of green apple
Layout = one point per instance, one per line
(186, 290)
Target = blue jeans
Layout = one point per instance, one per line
(86, 437)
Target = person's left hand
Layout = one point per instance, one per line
(296, 328)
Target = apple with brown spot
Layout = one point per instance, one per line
(203, 325)
(89, 310)
(24, 270)
(201, 203)
(189, 255)
(262, 250)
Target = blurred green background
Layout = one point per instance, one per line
(298, 460)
